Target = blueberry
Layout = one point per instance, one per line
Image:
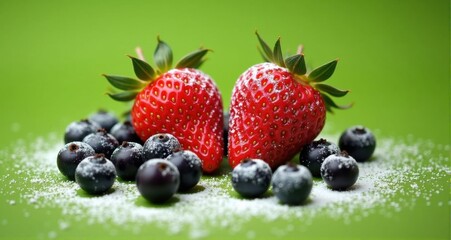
(104, 119)
(76, 131)
(313, 155)
(292, 184)
(157, 180)
(125, 132)
(127, 158)
(102, 142)
(339, 171)
(70, 156)
(359, 142)
(95, 174)
(160, 146)
(251, 178)
(226, 132)
(189, 166)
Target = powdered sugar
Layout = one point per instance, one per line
(292, 179)
(401, 173)
(192, 159)
(336, 162)
(92, 166)
(256, 171)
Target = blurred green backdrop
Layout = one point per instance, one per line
(394, 56)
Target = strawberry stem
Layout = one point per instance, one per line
(302, 79)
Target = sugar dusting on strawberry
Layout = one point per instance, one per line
(183, 101)
(272, 115)
(187, 104)
(276, 108)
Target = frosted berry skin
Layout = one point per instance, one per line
(292, 184)
(277, 107)
(359, 142)
(272, 115)
(76, 131)
(176, 99)
(313, 154)
(189, 166)
(160, 146)
(102, 142)
(70, 156)
(340, 171)
(251, 178)
(157, 180)
(127, 158)
(187, 104)
(125, 132)
(104, 119)
(95, 174)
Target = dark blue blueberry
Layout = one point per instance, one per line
(292, 184)
(251, 178)
(226, 132)
(70, 156)
(160, 146)
(340, 171)
(127, 158)
(76, 131)
(104, 119)
(313, 155)
(95, 174)
(157, 180)
(189, 166)
(359, 142)
(102, 142)
(125, 132)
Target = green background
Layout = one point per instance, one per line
(394, 57)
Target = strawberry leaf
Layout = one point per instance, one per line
(193, 59)
(331, 90)
(123, 96)
(142, 69)
(329, 109)
(197, 66)
(296, 64)
(278, 56)
(268, 55)
(125, 83)
(331, 104)
(265, 58)
(324, 72)
(163, 56)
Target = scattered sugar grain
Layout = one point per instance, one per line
(63, 225)
(52, 234)
(396, 179)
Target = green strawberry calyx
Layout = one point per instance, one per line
(146, 74)
(296, 65)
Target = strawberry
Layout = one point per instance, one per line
(183, 101)
(277, 108)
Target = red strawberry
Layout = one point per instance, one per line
(184, 102)
(276, 108)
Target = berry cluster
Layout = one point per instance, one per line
(277, 109)
(93, 157)
(292, 183)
